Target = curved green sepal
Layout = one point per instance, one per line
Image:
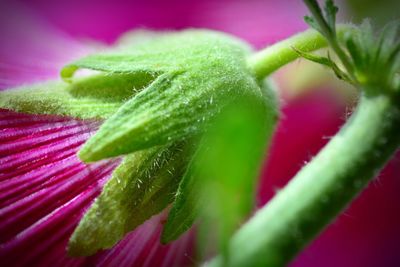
(132, 126)
(142, 186)
(97, 96)
(185, 208)
(115, 63)
(220, 181)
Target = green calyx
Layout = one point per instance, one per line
(195, 74)
(157, 95)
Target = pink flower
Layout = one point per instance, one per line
(45, 189)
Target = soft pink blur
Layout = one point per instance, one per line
(253, 20)
(367, 234)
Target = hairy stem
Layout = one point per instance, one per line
(322, 189)
(271, 58)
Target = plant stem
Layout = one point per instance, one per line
(322, 189)
(271, 58)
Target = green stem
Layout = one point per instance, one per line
(271, 58)
(322, 189)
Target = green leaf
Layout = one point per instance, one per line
(357, 54)
(322, 22)
(197, 71)
(317, 21)
(325, 24)
(325, 61)
(376, 59)
(96, 96)
(219, 183)
(142, 186)
(312, 23)
(330, 13)
(314, 58)
(370, 62)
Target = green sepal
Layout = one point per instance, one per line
(219, 183)
(197, 73)
(116, 63)
(185, 208)
(142, 186)
(135, 123)
(97, 96)
(128, 55)
(312, 23)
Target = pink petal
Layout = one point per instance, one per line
(45, 189)
(31, 49)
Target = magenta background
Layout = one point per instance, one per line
(253, 20)
(365, 235)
